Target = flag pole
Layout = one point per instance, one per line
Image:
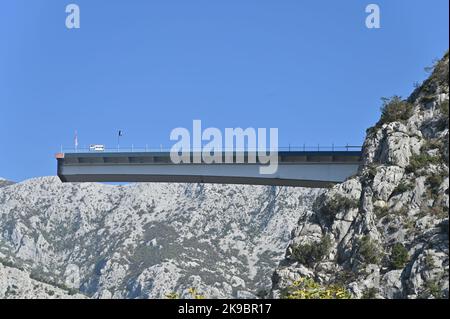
(119, 134)
(76, 141)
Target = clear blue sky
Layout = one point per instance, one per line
(310, 68)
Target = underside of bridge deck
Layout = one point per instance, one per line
(306, 169)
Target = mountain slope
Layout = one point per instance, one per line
(4, 182)
(17, 284)
(149, 240)
(384, 232)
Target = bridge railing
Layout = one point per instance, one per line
(293, 148)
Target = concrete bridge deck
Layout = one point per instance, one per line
(295, 168)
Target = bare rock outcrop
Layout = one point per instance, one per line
(384, 232)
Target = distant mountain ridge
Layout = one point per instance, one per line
(149, 240)
(4, 182)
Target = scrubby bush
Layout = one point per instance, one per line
(395, 109)
(443, 121)
(402, 188)
(336, 204)
(432, 289)
(419, 161)
(431, 144)
(370, 293)
(49, 292)
(443, 107)
(438, 211)
(440, 71)
(306, 288)
(402, 211)
(381, 211)
(434, 181)
(427, 99)
(38, 275)
(429, 261)
(344, 277)
(399, 256)
(308, 254)
(372, 170)
(368, 251)
(438, 77)
(8, 263)
(172, 295)
(193, 293)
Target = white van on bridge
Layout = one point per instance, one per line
(97, 148)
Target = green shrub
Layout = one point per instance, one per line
(193, 294)
(344, 277)
(395, 109)
(263, 293)
(438, 211)
(439, 75)
(50, 292)
(336, 204)
(434, 181)
(399, 256)
(38, 275)
(369, 172)
(8, 263)
(372, 170)
(306, 288)
(402, 211)
(370, 130)
(429, 262)
(427, 99)
(410, 225)
(368, 251)
(419, 161)
(432, 288)
(370, 293)
(172, 295)
(431, 144)
(384, 211)
(311, 253)
(443, 107)
(381, 212)
(402, 188)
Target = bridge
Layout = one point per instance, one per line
(295, 168)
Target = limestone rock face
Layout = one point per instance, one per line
(149, 240)
(17, 284)
(389, 224)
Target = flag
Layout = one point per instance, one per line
(120, 133)
(76, 139)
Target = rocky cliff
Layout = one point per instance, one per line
(147, 240)
(384, 232)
